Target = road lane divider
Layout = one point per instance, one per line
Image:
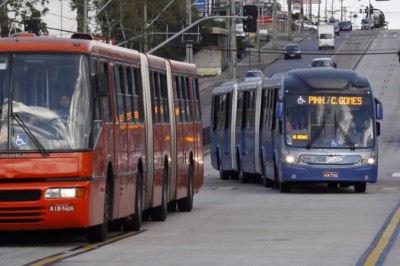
(52, 259)
(383, 242)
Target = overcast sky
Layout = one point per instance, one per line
(60, 15)
(65, 20)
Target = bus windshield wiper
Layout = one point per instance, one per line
(22, 124)
(344, 135)
(317, 134)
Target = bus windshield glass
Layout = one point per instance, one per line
(46, 103)
(329, 121)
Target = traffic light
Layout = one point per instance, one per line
(250, 23)
(32, 25)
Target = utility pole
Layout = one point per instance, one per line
(233, 47)
(341, 10)
(319, 12)
(275, 32)
(326, 10)
(189, 50)
(85, 17)
(145, 20)
(289, 21)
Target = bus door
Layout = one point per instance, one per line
(181, 131)
(197, 131)
(121, 139)
(248, 137)
(267, 128)
(221, 129)
(161, 129)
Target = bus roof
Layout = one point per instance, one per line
(225, 87)
(30, 43)
(302, 80)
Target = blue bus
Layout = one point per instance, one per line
(322, 128)
(243, 128)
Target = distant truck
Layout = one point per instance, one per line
(326, 36)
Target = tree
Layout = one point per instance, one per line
(125, 20)
(13, 13)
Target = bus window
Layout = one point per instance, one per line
(137, 96)
(106, 100)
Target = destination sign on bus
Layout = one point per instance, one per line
(330, 100)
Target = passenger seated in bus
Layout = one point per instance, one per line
(65, 101)
(289, 126)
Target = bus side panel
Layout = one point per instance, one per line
(248, 150)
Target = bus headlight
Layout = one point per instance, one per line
(60, 193)
(290, 159)
(371, 160)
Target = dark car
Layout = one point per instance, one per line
(345, 26)
(337, 29)
(292, 50)
(367, 24)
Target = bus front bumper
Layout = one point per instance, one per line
(298, 173)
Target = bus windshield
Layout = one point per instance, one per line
(46, 103)
(329, 121)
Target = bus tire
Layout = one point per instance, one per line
(133, 222)
(186, 204)
(159, 213)
(98, 233)
(360, 187)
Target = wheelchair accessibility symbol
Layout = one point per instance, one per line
(20, 140)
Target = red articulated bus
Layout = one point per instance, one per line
(128, 146)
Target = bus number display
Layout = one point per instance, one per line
(331, 100)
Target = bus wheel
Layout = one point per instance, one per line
(160, 213)
(134, 221)
(285, 187)
(360, 187)
(186, 204)
(98, 233)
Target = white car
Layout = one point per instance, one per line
(253, 73)
(307, 25)
(323, 62)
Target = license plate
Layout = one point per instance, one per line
(330, 174)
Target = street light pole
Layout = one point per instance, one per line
(233, 41)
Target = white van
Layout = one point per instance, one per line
(326, 36)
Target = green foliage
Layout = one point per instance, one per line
(13, 14)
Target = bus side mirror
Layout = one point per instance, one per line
(378, 128)
(101, 84)
(378, 109)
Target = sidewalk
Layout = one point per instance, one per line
(259, 59)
